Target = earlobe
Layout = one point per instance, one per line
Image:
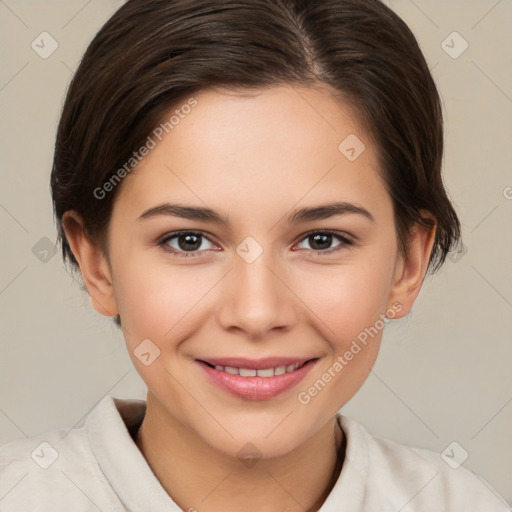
(411, 269)
(93, 265)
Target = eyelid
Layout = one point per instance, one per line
(344, 238)
(340, 234)
(162, 242)
(174, 234)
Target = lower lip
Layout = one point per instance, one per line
(256, 388)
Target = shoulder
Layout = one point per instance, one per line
(414, 479)
(43, 472)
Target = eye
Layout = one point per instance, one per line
(320, 241)
(185, 243)
(192, 243)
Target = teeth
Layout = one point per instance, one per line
(250, 372)
(245, 372)
(266, 373)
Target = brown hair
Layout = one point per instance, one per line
(153, 54)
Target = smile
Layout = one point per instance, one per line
(256, 380)
(251, 372)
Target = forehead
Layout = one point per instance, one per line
(276, 146)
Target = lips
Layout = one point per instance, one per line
(256, 379)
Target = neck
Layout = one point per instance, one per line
(199, 477)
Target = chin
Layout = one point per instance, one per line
(268, 435)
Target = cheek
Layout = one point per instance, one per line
(349, 302)
(347, 298)
(158, 301)
(162, 304)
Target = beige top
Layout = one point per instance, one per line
(99, 467)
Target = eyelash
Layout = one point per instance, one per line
(345, 241)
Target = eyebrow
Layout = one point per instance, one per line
(302, 215)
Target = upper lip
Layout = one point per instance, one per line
(256, 364)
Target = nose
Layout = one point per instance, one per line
(256, 298)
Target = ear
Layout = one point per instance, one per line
(93, 264)
(410, 269)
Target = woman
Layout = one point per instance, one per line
(252, 190)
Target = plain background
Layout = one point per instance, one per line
(444, 372)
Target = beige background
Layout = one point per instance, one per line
(444, 372)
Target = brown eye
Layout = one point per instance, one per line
(321, 241)
(185, 243)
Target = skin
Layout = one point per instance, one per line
(255, 159)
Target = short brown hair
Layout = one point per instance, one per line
(151, 54)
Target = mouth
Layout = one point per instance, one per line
(256, 379)
(264, 372)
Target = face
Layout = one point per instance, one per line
(283, 285)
